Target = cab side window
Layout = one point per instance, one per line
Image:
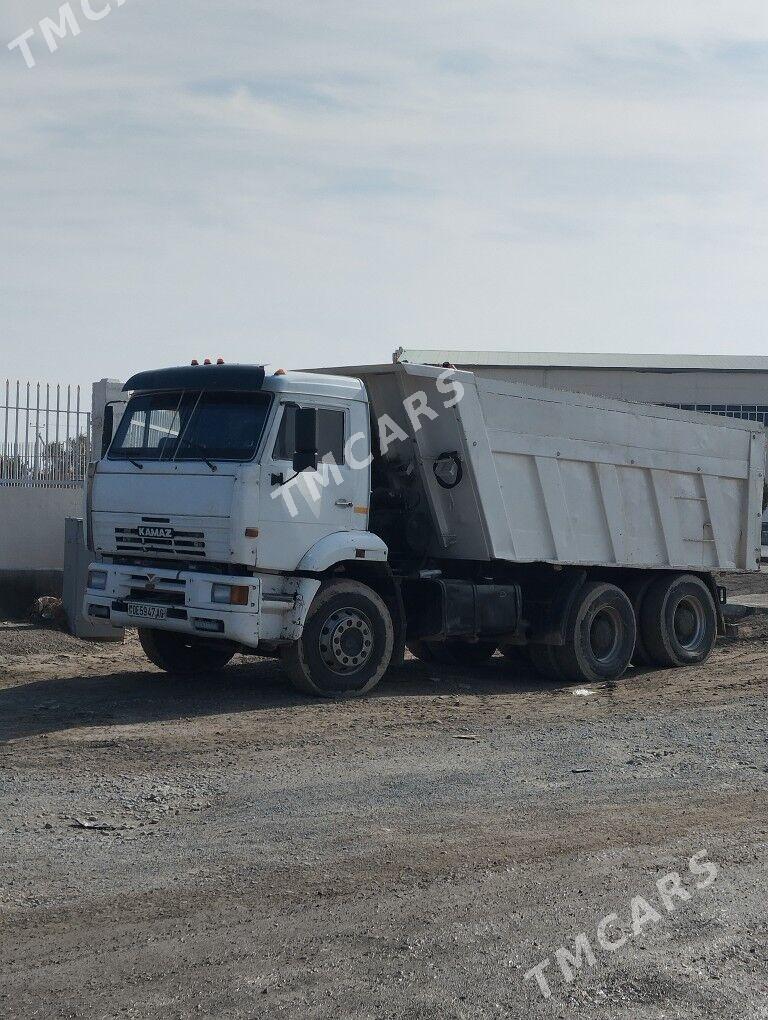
(330, 432)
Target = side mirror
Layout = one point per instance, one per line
(107, 428)
(305, 455)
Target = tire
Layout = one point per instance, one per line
(544, 661)
(636, 589)
(180, 653)
(600, 635)
(678, 621)
(346, 644)
(640, 656)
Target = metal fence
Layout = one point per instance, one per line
(45, 435)
(750, 412)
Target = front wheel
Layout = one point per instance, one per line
(180, 653)
(346, 644)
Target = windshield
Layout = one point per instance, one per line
(188, 425)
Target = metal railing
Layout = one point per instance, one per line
(750, 412)
(45, 435)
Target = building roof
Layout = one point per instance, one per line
(562, 359)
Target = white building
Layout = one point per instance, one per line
(716, 384)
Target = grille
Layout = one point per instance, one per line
(168, 591)
(183, 543)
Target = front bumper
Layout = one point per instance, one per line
(180, 600)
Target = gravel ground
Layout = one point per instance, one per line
(221, 847)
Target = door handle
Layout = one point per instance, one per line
(344, 503)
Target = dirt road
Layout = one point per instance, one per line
(221, 847)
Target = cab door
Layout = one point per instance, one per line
(296, 512)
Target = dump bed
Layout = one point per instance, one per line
(559, 477)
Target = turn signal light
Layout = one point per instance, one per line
(232, 594)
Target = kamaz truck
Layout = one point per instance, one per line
(334, 518)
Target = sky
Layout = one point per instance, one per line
(315, 182)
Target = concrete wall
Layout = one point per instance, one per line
(32, 520)
(32, 543)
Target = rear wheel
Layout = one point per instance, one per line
(678, 620)
(636, 589)
(640, 656)
(180, 653)
(600, 635)
(346, 644)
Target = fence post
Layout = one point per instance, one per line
(34, 451)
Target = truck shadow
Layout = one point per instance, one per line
(123, 698)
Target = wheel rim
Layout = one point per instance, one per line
(689, 623)
(346, 641)
(605, 633)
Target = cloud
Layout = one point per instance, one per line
(312, 182)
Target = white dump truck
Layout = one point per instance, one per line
(334, 518)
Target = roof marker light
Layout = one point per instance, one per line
(194, 362)
(281, 371)
(207, 361)
(219, 361)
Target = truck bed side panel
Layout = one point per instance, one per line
(626, 484)
(573, 478)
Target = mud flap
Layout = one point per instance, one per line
(304, 589)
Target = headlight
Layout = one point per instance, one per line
(97, 579)
(230, 594)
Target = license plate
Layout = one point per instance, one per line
(143, 612)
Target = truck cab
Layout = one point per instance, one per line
(224, 496)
